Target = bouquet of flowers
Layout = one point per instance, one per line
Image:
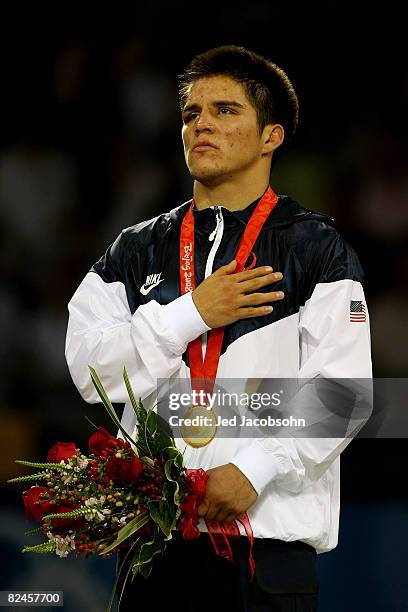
(124, 493)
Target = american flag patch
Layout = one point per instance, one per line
(357, 312)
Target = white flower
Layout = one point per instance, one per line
(82, 462)
(95, 515)
(99, 517)
(66, 477)
(63, 545)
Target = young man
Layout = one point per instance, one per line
(284, 304)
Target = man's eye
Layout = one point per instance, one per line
(190, 116)
(222, 110)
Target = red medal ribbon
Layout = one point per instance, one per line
(220, 533)
(207, 370)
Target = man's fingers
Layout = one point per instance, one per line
(221, 514)
(219, 299)
(216, 513)
(245, 274)
(228, 269)
(230, 518)
(255, 299)
(254, 284)
(225, 516)
(252, 311)
(254, 273)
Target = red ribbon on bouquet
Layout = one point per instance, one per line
(219, 532)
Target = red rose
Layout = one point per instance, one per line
(125, 471)
(61, 451)
(35, 505)
(102, 444)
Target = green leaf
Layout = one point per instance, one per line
(34, 531)
(148, 436)
(154, 433)
(168, 472)
(151, 423)
(69, 515)
(44, 465)
(107, 403)
(144, 438)
(146, 569)
(147, 551)
(164, 435)
(119, 575)
(44, 548)
(163, 516)
(172, 452)
(37, 476)
(126, 531)
(139, 410)
(133, 400)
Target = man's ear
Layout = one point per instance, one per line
(272, 136)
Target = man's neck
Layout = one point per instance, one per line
(228, 195)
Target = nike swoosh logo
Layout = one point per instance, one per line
(145, 290)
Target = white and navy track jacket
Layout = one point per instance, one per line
(128, 312)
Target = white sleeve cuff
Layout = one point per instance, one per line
(258, 465)
(183, 318)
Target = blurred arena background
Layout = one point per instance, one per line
(90, 143)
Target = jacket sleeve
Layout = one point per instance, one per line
(103, 332)
(332, 345)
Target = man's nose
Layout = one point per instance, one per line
(204, 123)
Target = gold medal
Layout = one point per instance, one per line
(198, 426)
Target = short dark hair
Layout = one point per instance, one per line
(266, 85)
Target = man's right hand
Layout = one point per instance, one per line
(224, 297)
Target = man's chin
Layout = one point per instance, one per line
(207, 178)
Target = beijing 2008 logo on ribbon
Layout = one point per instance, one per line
(187, 258)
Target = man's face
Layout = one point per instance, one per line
(218, 114)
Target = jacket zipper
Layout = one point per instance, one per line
(215, 237)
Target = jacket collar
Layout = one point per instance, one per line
(286, 212)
